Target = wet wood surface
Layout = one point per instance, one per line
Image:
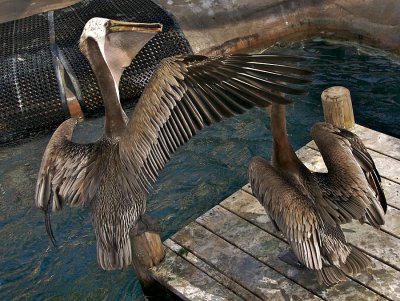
(236, 247)
(188, 282)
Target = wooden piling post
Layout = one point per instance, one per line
(338, 110)
(147, 252)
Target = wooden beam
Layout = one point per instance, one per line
(147, 252)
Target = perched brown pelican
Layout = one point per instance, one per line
(113, 175)
(308, 207)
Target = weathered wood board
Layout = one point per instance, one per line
(385, 144)
(189, 282)
(232, 251)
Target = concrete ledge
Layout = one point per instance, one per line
(224, 26)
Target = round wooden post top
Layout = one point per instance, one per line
(338, 110)
(335, 92)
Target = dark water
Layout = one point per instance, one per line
(201, 174)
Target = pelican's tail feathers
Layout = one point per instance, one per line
(356, 262)
(330, 275)
(113, 258)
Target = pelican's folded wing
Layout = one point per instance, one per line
(367, 164)
(318, 244)
(352, 182)
(187, 93)
(292, 212)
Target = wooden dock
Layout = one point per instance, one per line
(231, 252)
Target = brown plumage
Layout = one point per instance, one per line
(113, 175)
(309, 207)
(353, 183)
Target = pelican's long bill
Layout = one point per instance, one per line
(121, 26)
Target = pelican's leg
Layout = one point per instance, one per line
(290, 258)
(146, 223)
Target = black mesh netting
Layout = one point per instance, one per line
(30, 100)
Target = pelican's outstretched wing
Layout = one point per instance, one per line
(187, 93)
(63, 173)
(352, 183)
(318, 245)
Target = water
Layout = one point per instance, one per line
(201, 174)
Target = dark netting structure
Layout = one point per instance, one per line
(33, 100)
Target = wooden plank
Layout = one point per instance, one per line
(251, 273)
(378, 244)
(267, 248)
(392, 193)
(188, 282)
(392, 222)
(219, 277)
(381, 278)
(379, 142)
(387, 166)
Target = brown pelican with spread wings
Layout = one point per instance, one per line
(186, 93)
(308, 207)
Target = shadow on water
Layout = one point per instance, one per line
(201, 174)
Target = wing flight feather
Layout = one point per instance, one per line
(186, 94)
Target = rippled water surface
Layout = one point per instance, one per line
(200, 175)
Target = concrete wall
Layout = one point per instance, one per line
(223, 26)
(17, 9)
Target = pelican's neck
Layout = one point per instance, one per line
(283, 155)
(114, 115)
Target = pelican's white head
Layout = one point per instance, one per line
(114, 43)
